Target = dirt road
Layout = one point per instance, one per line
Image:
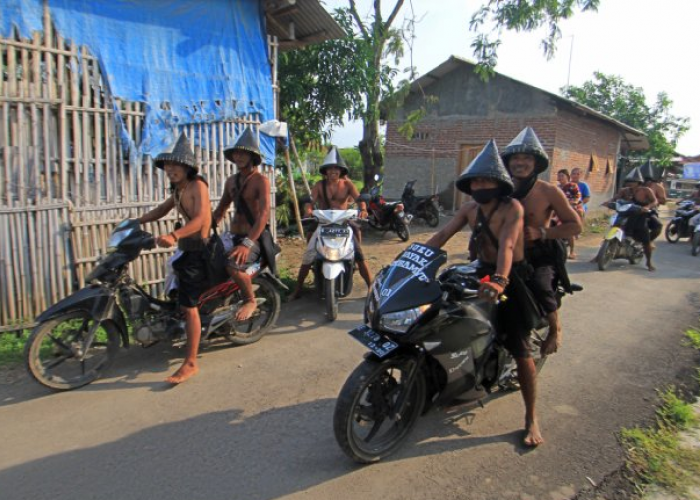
(256, 423)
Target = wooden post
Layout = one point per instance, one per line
(292, 188)
(296, 156)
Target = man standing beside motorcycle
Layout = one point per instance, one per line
(497, 241)
(191, 199)
(651, 180)
(333, 192)
(638, 224)
(525, 158)
(249, 191)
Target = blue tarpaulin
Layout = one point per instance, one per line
(189, 61)
(691, 171)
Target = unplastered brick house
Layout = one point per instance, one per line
(463, 113)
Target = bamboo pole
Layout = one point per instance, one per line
(293, 190)
(301, 169)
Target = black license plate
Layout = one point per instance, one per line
(376, 342)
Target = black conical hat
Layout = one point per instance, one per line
(527, 142)
(333, 159)
(247, 142)
(181, 153)
(486, 165)
(635, 175)
(648, 171)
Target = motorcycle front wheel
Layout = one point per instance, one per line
(331, 299)
(57, 356)
(432, 216)
(672, 232)
(695, 244)
(606, 253)
(366, 422)
(402, 231)
(262, 320)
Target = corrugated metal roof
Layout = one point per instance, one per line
(636, 139)
(298, 23)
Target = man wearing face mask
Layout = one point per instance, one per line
(497, 241)
(525, 158)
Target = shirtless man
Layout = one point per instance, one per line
(651, 180)
(334, 192)
(249, 192)
(191, 199)
(637, 225)
(525, 158)
(498, 241)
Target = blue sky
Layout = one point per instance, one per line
(652, 44)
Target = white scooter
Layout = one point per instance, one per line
(335, 258)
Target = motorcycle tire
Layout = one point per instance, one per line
(331, 299)
(52, 350)
(695, 248)
(364, 422)
(402, 231)
(606, 253)
(672, 232)
(262, 320)
(373, 222)
(432, 216)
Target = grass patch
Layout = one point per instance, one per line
(597, 225)
(11, 348)
(693, 338)
(655, 456)
(289, 279)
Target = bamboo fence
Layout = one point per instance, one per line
(65, 180)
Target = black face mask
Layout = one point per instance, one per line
(482, 196)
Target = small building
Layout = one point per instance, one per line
(462, 112)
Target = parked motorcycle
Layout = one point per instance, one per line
(680, 227)
(421, 207)
(431, 341)
(335, 257)
(617, 244)
(388, 216)
(77, 338)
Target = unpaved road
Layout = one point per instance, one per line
(256, 423)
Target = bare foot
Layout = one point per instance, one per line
(295, 295)
(651, 267)
(572, 256)
(246, 310)
(533, 437)
(186, 371)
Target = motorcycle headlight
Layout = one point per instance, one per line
(401, 321)
(331, 253)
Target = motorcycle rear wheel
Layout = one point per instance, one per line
(364, 422)
(53, 349)
(262, 320)
(432, 216)
(402, 231)
(695, 249)
(331, 299)
(606, 253)
(672, 232)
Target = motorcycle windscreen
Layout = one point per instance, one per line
(410, 281)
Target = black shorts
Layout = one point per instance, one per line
(637, 226)
(191, 273)
(253, 254)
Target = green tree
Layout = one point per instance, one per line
(494, 16)
(612, 96)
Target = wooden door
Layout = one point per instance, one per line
(466, 154)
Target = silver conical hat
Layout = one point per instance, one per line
(486, 165)
(247, 142)
(527, 142)
(333, 159)
(181, 153)
(635, 176)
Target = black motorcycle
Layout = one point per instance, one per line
(388, 215)
(680, 227)
(432, 341)
(77, 338)
(421, 207)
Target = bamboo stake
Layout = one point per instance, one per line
(293, 190)
(298, 160)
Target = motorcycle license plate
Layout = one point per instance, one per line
(376, 342)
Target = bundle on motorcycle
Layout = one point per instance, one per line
(421, 207)
(618, 243)
(77, 338)
(431, 340)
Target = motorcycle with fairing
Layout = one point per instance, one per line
(77, 339)
(431, 341)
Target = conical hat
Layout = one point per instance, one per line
(333, 159)
(181, 153)
(247, 142)
(527, 142)
(635, 176)
(648, 171)
(486, 165)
